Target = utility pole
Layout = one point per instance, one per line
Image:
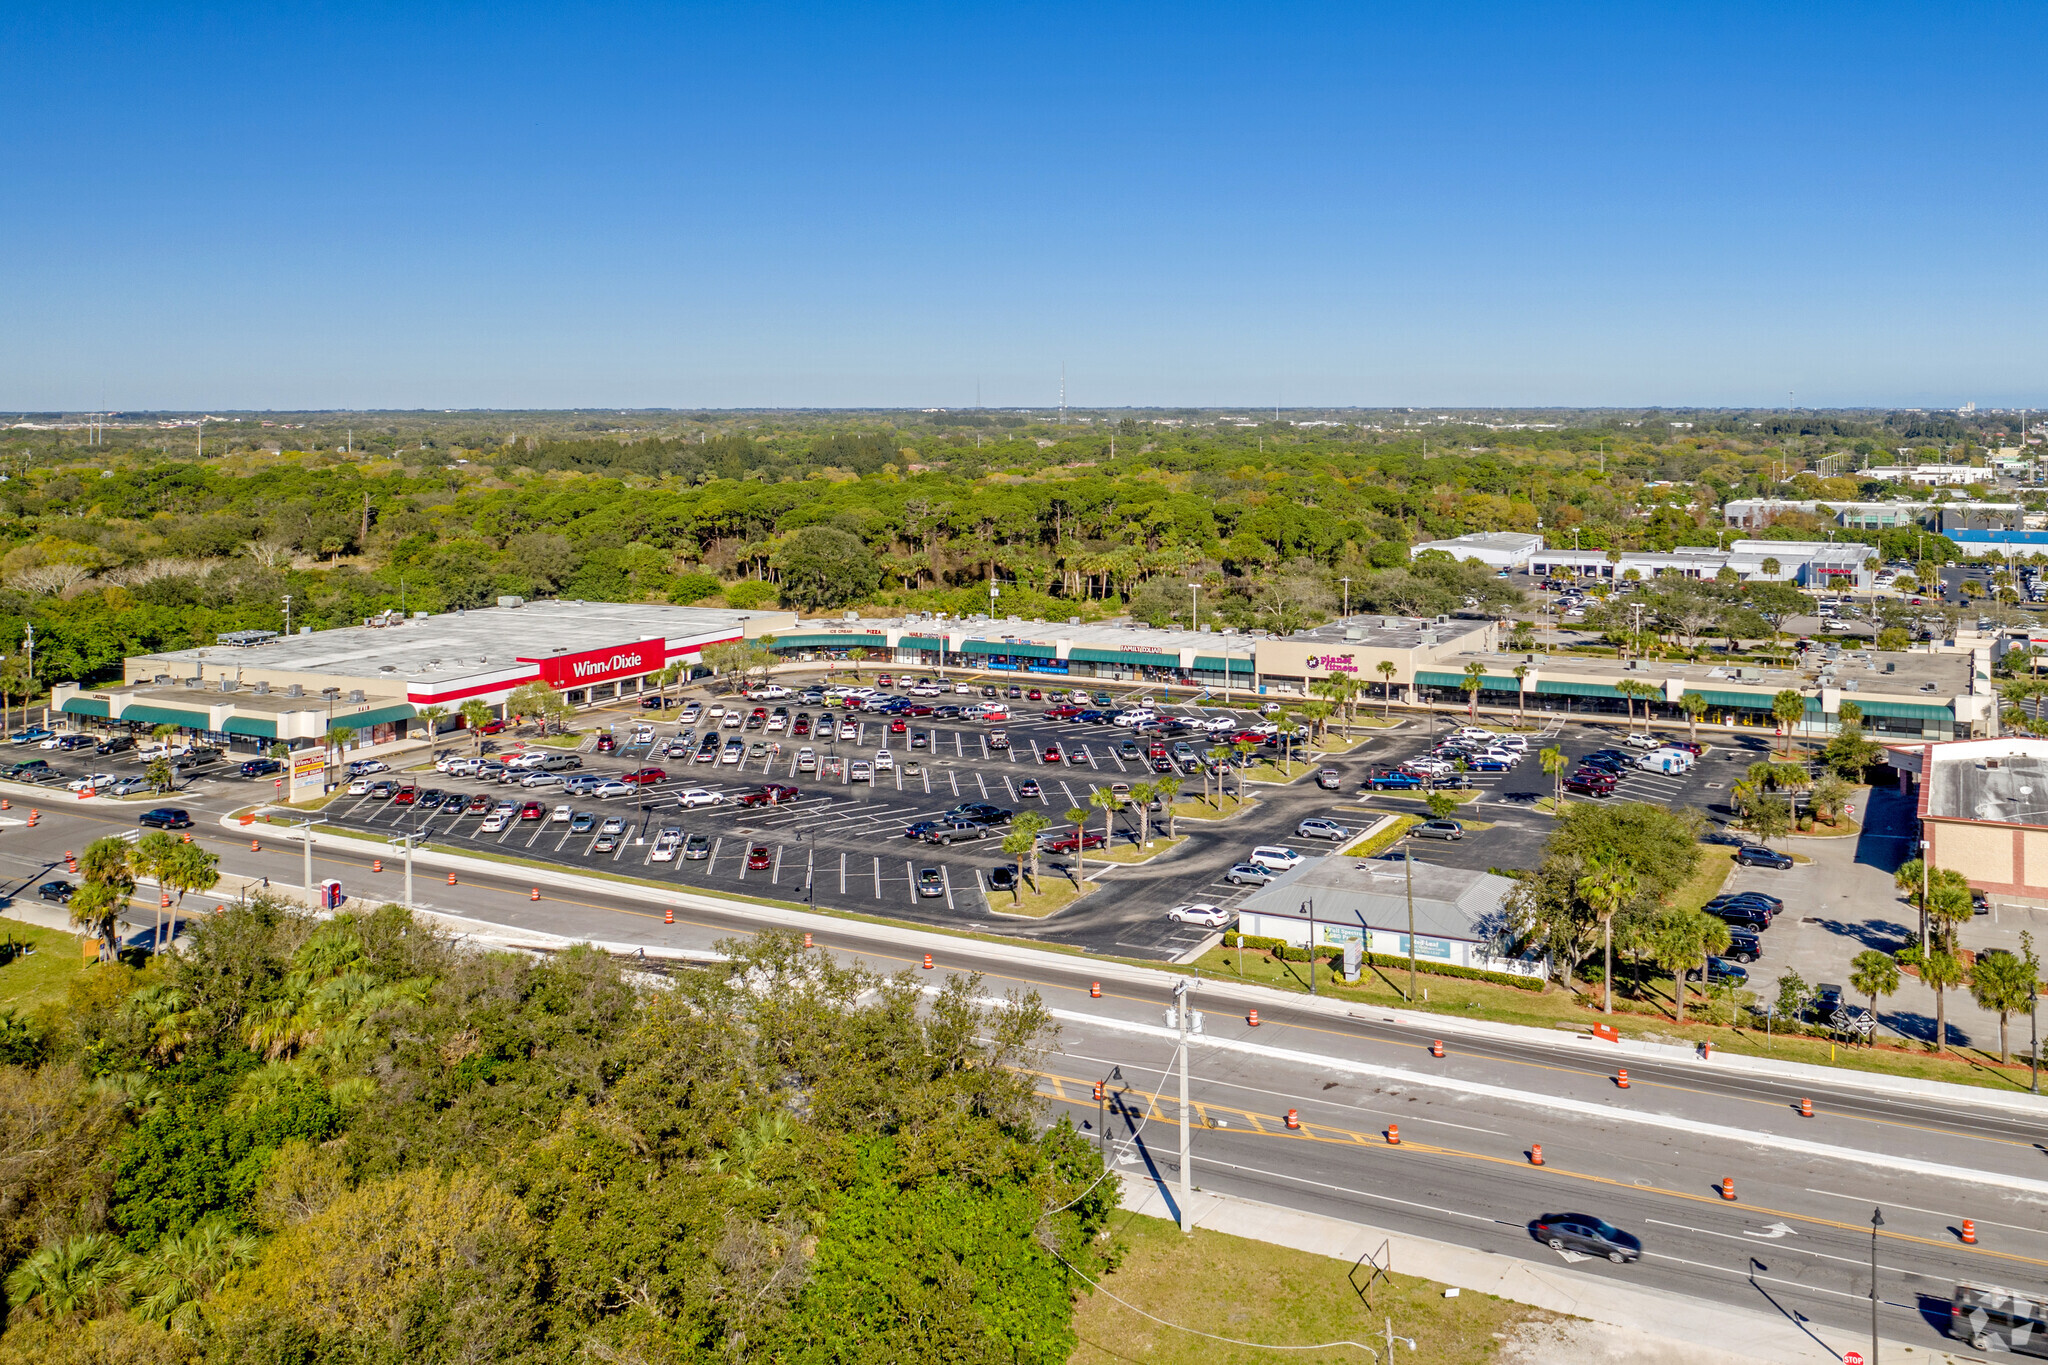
(1183, 1010)
(1876, 1222)
(305, 831)
(1063, 393)
(1347, 595)
(287, 613)
(1926, 847)
(1195, 616)
(1408, 864)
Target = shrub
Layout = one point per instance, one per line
(686, 588)
(1286, 952)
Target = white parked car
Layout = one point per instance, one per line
(1209, 916)
(1136, 716)
(769, 692)
(666, 843)
(90, 784)
(359, 787)
(1642, 741)
(562, 813)
(544, 781)
(689, 798)
(806, 760)
(494, 823)
(1273, 857)
(859, 771)
(735, 750)
(690, 714)
(884, 761)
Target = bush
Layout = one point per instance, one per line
(1286, 952)
(686, 588)
(747, 596)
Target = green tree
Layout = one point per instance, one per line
(1681, 941)
(1894, 640)
(159, 774)
(1694, 705)
(1607, 892)
(152, 857)
(75, 1277)
(1768, 818)
(1031, 824)
(1657, 848)
(1554, 764)
(433, 716)
(1442, 805)
(821, 566)
(1521, 672)
(1849, 753)
(1386, 669)
(1078, 817)
(476, 714)
(1943, 904)
(1941, 971)
(1141, 797)
(1789, 707)
(1167, 789)
(1108, 802)
(856, 656)
(107, 880)
(1017, 844)
(2005, 983)
(1875, 975)
(14, 682)
(1475, 679)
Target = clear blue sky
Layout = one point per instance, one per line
(421, 205)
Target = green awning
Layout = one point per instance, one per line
(784, 643)
(1125, 656)
(917, 642)
(85, 706)
(1211, 663)
(1490, 682)
(1014, 648)
(1741, 701)
(164, 715)
(1900, 710)
(383, 715)
(1577, 689)
(248, 725)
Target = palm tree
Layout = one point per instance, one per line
(1682, 941)
(2005, 984)
(476, 715)
(1942, 971)
(1288, 727)
(1521, 692)
(1031, 824)
(1475, 678)
(1789, 707)
(433, 716)
(857, 656)
(1386, 669)
(1167, 789)
(1078, 817)
(1873, 974)
(1606, 891)
(151, 858)
(1694, 705)
(188, 1267)
(1244, 749)
(76, 1277)
(191, 868)
(1108, 802)
(1317, 714)
(1554, 761)
(338, 737)
(1141, 795)
(1015, 845)
(109, 880)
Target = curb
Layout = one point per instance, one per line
(1158, 979)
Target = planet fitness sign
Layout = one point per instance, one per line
(1334, 663)
(601, 665)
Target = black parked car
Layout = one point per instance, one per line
(1584, 1233)
(1720, 971)
(59, 890)
(114, 744)
(1746, 916)
(165, 817)
(1003, 878)
(262, 767)
(1743, 945)
(1756, 855)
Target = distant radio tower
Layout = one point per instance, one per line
(1063, 393)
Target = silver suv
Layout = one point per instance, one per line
(1321, 829)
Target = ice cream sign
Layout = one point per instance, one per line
(1334, 663)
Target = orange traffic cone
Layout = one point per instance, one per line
(1098, 1092)
(376, 864)
(1969, 1233)
(1535, 1154)
(1436, 1049)
(670, 917)
(1621, 1079)
(163, 900)
(188, 836)
(5, 804)
(1095, 990)
(1728, 1187)
(1393, 1135)
(451, 879)
(536, 894)
(1805, 1107)
(1253, 1020)
(1293, 1119)
(927, 961)
(255, 846)
(807, 940)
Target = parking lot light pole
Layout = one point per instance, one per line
(1876, 1222)
(305, 831)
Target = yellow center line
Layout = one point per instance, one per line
(1156, 1106)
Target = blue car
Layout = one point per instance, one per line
(1489, 765)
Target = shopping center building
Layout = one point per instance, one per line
(257, 688)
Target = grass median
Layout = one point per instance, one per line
(42, 977)
(1211, 1285)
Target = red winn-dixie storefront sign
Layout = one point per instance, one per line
(601, 665)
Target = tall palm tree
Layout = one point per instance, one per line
(1386, 669)
(1288, 727)
(1167, 789)
(1521, 692)
(109, 880)
(1694, 705)
(191, 868)
(151, 858)
(1554, 762)
(1141, 796)
(1078, 816)
(1606, 890)
(1475, 678)
(1244, 749)
(433, 716)
(1108, 802)
(1031, 823)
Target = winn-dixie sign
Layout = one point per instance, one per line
(600, 665)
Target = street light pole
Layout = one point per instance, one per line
(1408, 863)
(1195, 611)
(1183, 1002)
(1876, 1222)
(1347, 595)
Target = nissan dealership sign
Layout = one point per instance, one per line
(566, 671)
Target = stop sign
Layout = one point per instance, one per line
(1852, 1358)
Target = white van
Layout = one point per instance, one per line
(1666, 761)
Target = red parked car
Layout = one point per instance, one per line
(1067, 843)
(405, 796)
(772, 794)
(897, 727)
(1064, 711)
(885, 681)
(758, 858)
(641, 777)
(1034, 695)
(1050, 753)
(495, 727)
(533, 810)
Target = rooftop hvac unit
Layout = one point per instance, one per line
(294, 690)
(163, 679)
(1353, 633)
(511, 601)
(355, 694)
(262, 688)
(227, 684)
(1891, 667)
(195, 682)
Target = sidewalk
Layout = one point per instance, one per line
(1643, 1326)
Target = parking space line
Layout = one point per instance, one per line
(842, 873)
(712, 861)
(775, 872)
(878, 876)
(910, 876)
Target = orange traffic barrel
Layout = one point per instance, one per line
(1293, 1119)
(1095, 990)
(927, 961)
(670, 917)
(1969, 1232)
(1436, 1049)
(376, 864)
(1621, 1079)
(807, 940)
(451, 879)
(1393, 1135)
(1253, 1020)
(536, 894)
(1535, 1154)
(1727, 1187)
(1805, 1107)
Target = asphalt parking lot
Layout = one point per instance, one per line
(842, 842)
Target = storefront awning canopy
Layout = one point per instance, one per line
(164, 715)
(84, 706)
(383, 715)
(247, 725)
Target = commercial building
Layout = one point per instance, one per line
(256, 688)
(1754, 514)
(1497, 549)
(1809, 563)
(1460, 917)
(1221, 661)
(1998, 544)
(1927, 696)
(1930, 475)
(1983, 807)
